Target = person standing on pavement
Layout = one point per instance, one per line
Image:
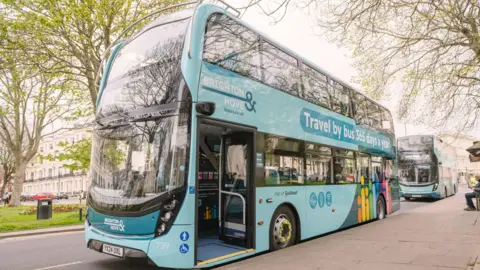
(471, 195)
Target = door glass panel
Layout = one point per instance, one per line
(237, 152)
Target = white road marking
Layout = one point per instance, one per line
(60, 265)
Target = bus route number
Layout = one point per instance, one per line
(163, 245)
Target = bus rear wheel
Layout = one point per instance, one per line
(282, 229)
(381, 208)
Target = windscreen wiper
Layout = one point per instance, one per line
(112, 126)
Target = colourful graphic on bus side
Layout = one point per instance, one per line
(365, 201)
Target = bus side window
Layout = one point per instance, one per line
(339, 98)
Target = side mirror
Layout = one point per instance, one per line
(206, 108)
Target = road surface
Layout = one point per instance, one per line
(68, 251)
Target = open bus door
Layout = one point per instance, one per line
(225, 210)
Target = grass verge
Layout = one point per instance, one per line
(15, 218)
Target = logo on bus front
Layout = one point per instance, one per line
(235, 99)
(115, 224)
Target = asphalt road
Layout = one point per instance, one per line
(68, 251)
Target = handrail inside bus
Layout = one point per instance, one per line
(118, 39)
(241, 197)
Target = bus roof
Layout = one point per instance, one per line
(292, 53)
(419, 135)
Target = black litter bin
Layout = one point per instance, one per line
(44, 209)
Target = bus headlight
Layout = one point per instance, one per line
(435, 186)
(168, 211)
(167, 216)
(162, 228)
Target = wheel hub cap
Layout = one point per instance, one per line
(282, 231)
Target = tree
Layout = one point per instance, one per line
(76, 34)
(30, 100)
(8, 166)
(76, 154)
(431, 47)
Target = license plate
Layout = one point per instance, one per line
(113, 250)
(416, 196)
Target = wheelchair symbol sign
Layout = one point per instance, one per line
(183, 248)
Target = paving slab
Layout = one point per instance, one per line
(437, 235)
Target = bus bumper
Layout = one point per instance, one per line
(164, 251)
(432, 195)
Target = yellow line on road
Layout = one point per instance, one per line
(60, 265)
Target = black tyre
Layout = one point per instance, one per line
(407, 198)
(381, 209)
(283, 229)
(454, 190)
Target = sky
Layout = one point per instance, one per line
(298, 32)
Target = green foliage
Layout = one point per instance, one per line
(75, 156)
(75, 34)
(114, 155)
(13, 219)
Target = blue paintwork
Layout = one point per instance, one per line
(272, 117)
(144, 225)
(248, 102)
(425, 191)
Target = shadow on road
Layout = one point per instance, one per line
(120, 264)
(424, 200)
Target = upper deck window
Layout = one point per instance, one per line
(315, 87)
(234, 47)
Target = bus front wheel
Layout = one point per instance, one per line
(381, 208)
(282, 229)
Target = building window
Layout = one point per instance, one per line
(51, 146)
(32, 175)
(50, 172)
(41, 174)
(41, 149)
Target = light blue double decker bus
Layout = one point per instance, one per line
(213, 143)
(427, 167)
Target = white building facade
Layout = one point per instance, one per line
(465, 168)
(51, 176)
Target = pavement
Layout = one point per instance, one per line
(437, 235)
(423, 235)
(42, 231)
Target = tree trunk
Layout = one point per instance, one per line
(18, 183)
(2, 191)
